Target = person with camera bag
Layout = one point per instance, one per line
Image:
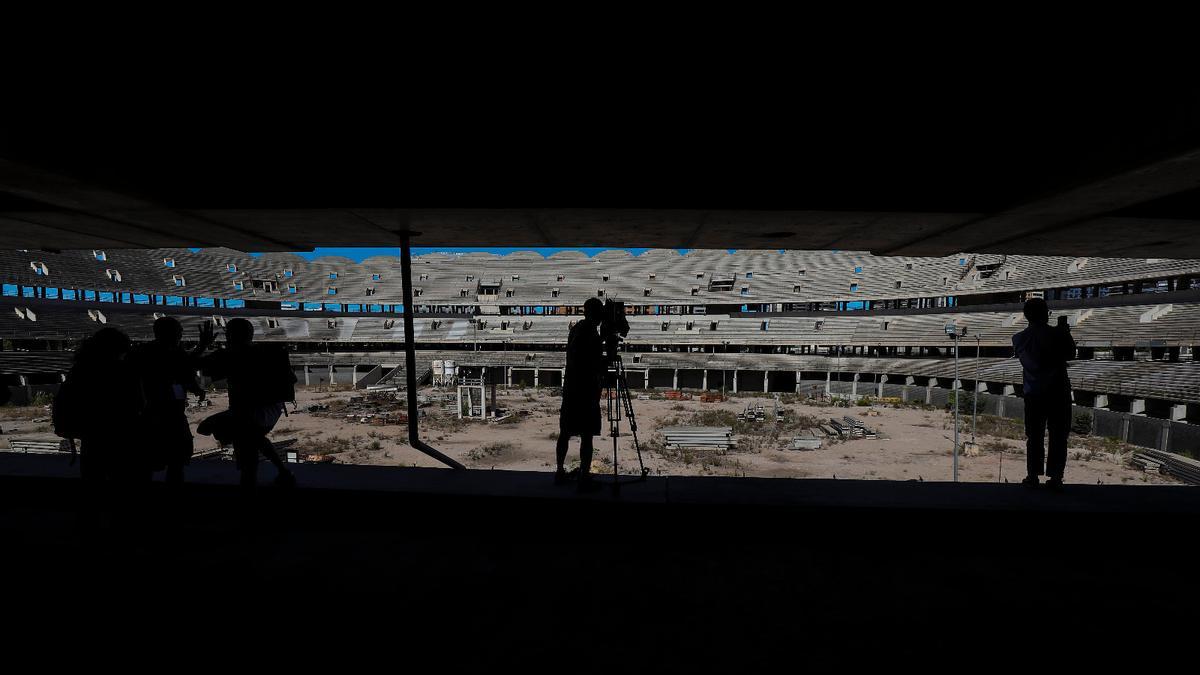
(1044, 352)
(260, 382)
(580, 412)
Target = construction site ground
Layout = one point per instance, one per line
(350, 427)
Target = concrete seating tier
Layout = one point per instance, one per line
(669, 277)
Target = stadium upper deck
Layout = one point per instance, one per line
(520, 282)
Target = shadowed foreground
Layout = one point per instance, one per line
(717, 573)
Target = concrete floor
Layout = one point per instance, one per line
(484, 568)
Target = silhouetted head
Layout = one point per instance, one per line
(593, 309)
(168, 330)
(238, 332)
(108, 344)
(1036, 311)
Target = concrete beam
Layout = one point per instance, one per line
(1078, 208)
(1179, 412)
(1137, 406)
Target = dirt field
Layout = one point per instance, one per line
(913, 443)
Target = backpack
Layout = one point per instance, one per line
(278, 380)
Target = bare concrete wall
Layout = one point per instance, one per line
(781, 381)
(691, 378)
(661, 378)
(1145, 431)
(751, 380)
(1184, 439)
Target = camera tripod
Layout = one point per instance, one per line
(616, 394)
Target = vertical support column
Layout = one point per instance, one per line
(828, 378)
(735, 372)
(854, 385)
(879, 388)
(536, 381)
(675, 379)
(646, 379)
(410, 357)
(797, 382)
(704, 380)
(508, 377)
(766, 380)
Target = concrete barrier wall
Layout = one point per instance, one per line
(1014, 407)
(1108, 423)
(1145, 431)
(990, 404)
(809, 387)
(1184, 439)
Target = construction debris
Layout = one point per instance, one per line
(849, 427)
(807, 439)
(38, 446)
(1169, 463)
(753, 413)
(720, 438)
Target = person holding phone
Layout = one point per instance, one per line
(1044, 352)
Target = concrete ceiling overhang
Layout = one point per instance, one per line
(1080, 179)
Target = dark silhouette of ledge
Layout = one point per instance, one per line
(333, 480)
(490, 567)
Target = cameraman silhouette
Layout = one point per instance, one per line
(580, 413)
(1044, 352)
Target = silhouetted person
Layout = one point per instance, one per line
(1044, 352)
(580, 413)
(260, 380)
(99, 404)
(167, 373)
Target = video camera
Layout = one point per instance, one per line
(613, 327)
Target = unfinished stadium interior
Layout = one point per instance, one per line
(809, 323)
(807, 254)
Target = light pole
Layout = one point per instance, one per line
(975, 394)
(955, 331)
(726, 352)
